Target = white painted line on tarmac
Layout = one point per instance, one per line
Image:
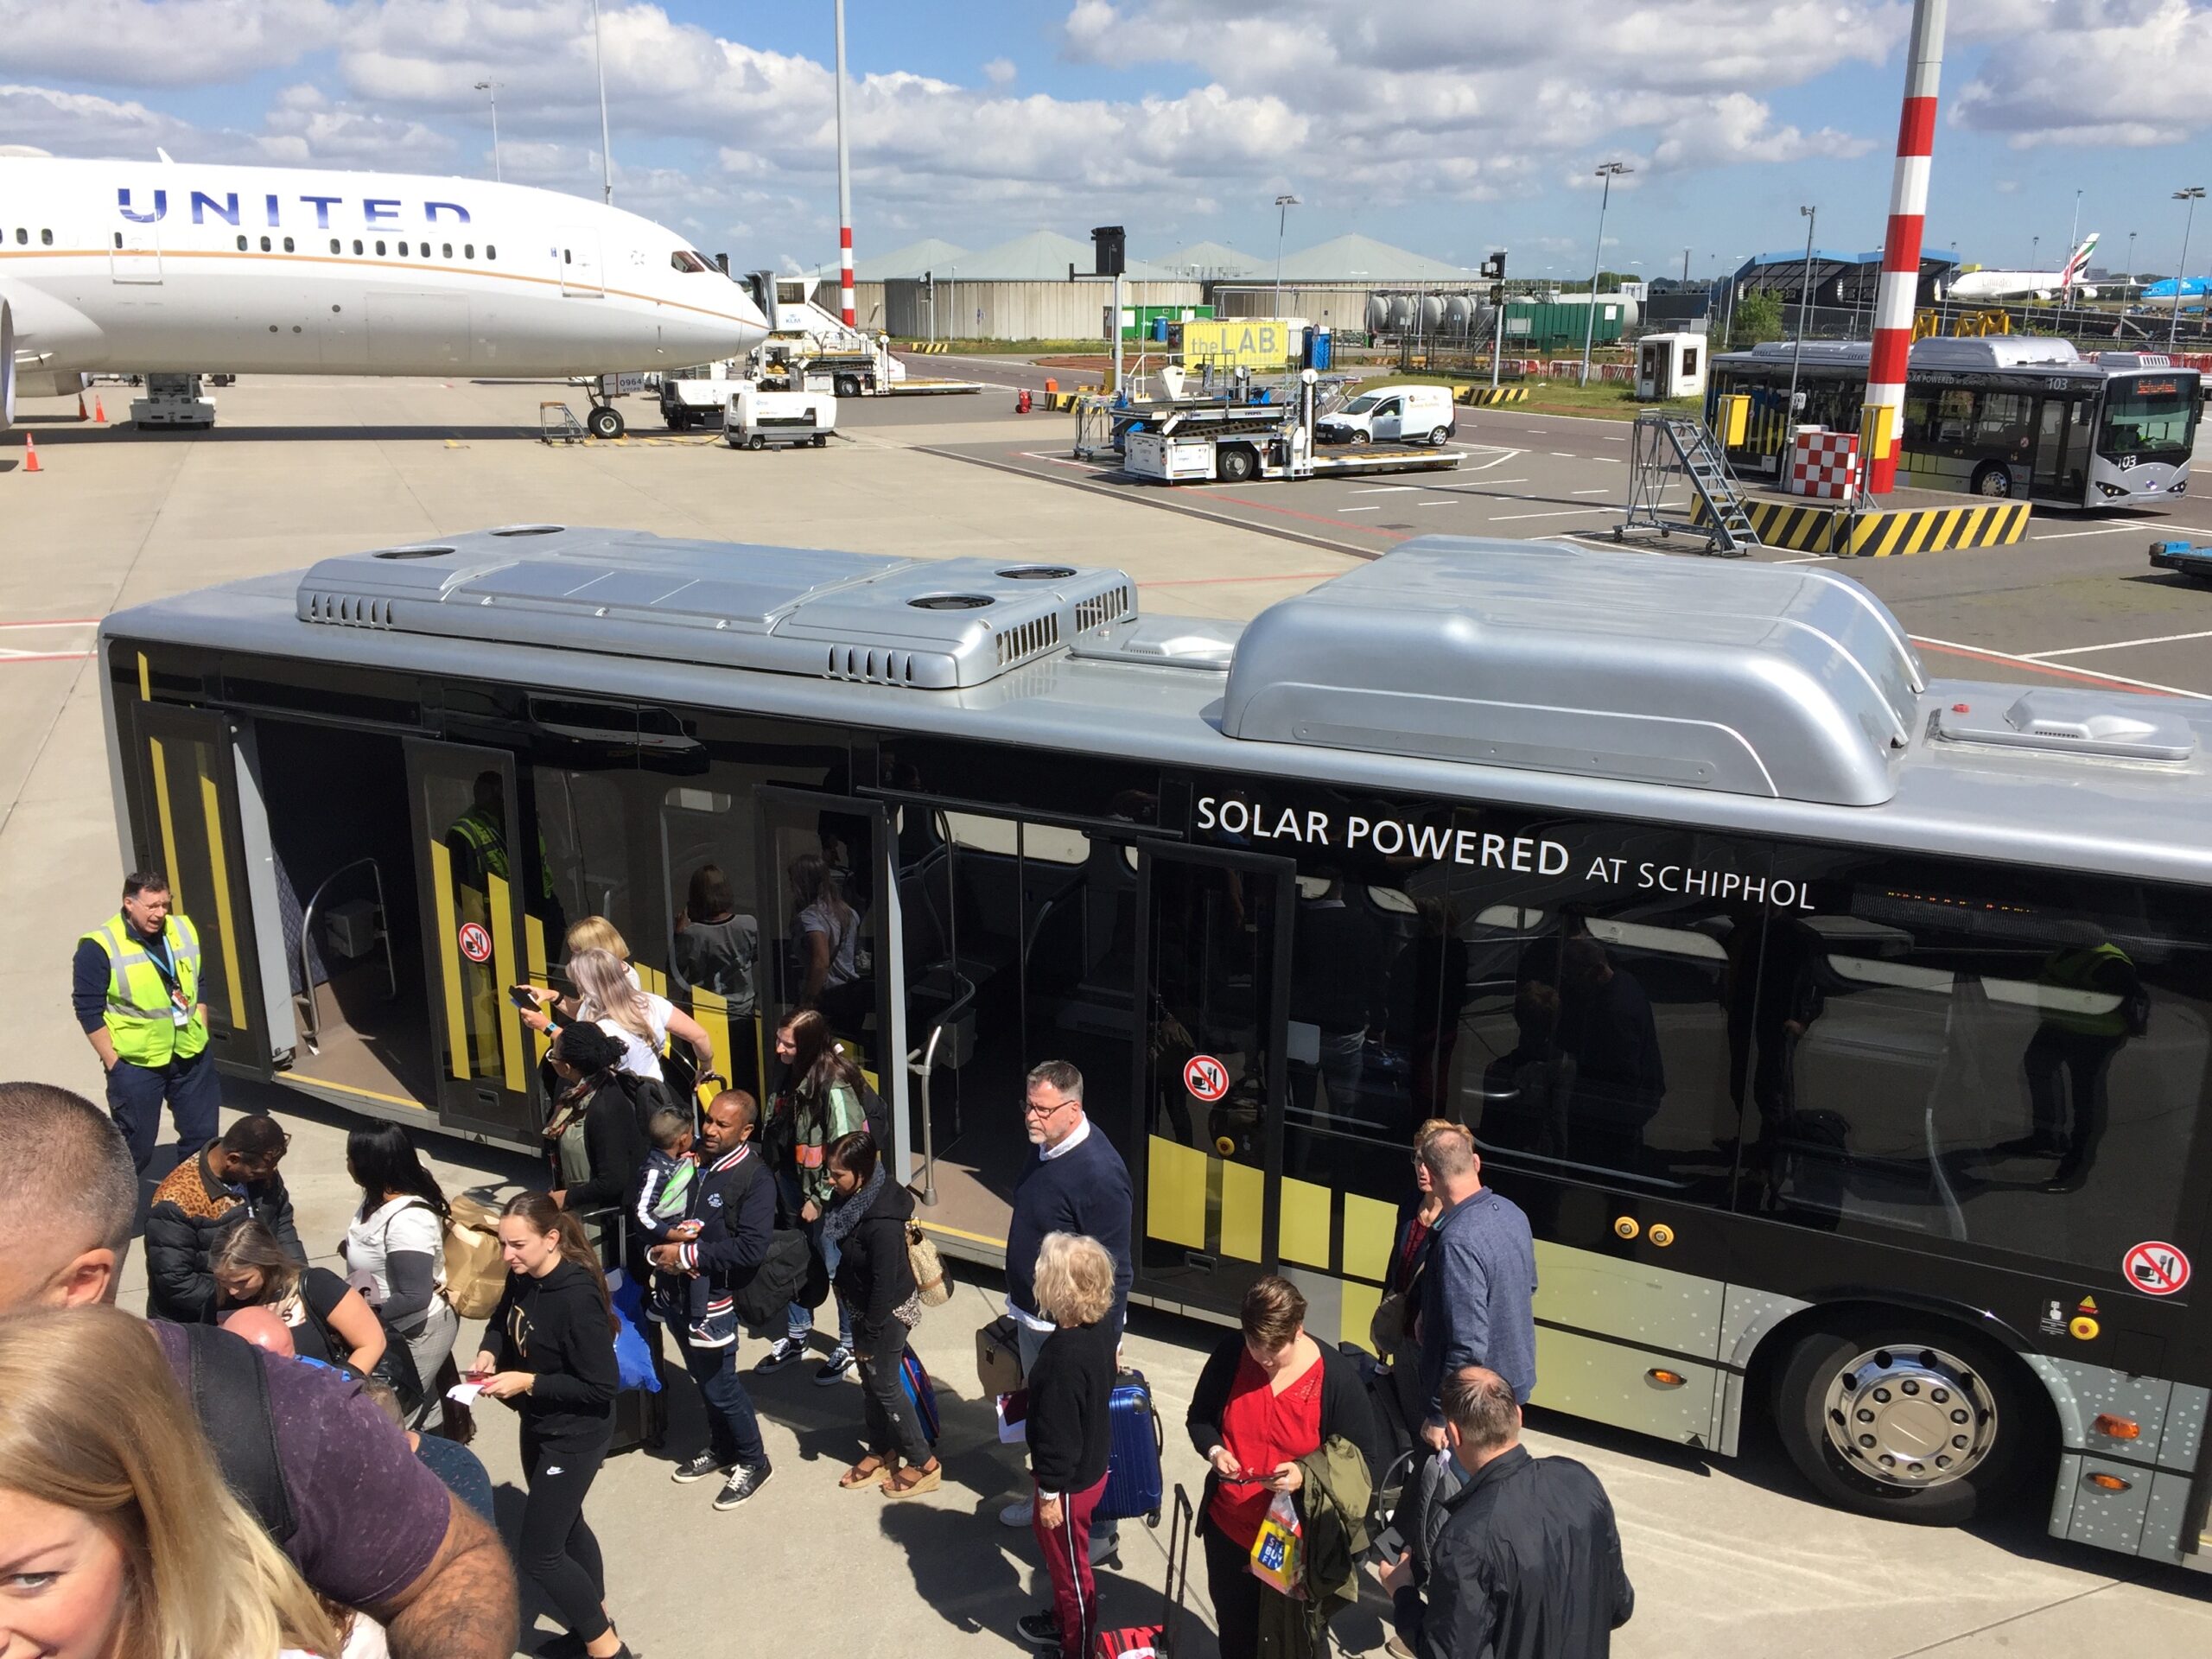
(1385, 489)
(1063, 460)
(59, 622)
(1564, 512)
(2121, 644)
(2068, 535)
(1566, 455)
(2052, 668)
(1603, 489)
(1432, 504)
(1359, 509)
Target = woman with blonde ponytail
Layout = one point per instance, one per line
(550, 1353)
(117, 1538)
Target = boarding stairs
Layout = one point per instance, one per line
(1666, 446)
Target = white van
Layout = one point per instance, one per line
(1392, 415)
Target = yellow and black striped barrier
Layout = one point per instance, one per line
(1066, 400)
(1827, 527)
(1490, 397)
(930, 347)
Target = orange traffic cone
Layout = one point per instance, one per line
(80, 406)
(99, 410)
(30, 455)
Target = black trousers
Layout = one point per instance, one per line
(1236, 1594)
(557, 1548)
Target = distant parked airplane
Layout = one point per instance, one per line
(2025, 285)
(174, 270)
(2188, 292)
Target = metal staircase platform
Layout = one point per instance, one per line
(1666, 445)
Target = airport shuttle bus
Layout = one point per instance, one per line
(1845, 1035)
(2007, 416)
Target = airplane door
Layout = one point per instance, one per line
(135, 256)
(580, 271)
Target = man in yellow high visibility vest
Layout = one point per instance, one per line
(135, 987)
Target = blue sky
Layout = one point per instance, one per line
(1451, 129)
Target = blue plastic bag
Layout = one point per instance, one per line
(633, 1359)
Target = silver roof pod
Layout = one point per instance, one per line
(1754, 679)
(931, 624)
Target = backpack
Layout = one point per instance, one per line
(229, 1392)
(646, 1095)
(877, 1115)
(770, 1288)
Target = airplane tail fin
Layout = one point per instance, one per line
(2079, 262)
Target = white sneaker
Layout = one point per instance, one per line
(1019, 1515)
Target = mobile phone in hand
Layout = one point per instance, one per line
(522, 996)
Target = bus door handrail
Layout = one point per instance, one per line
(919, 1064)
(307, 941)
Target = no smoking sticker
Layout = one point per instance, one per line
(475, 942)
(2156, 1268)
(1206, 1077)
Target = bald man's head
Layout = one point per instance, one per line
(263, 1327)
(68, 1195)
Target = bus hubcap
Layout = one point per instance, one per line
(1911, 1417)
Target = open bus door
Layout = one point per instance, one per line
(200, 822)
(1213, 980)
(462, 799)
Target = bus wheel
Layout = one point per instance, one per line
(1236, 464)
(1905, 1421)
(1992, 478)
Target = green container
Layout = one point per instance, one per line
(1142, 317)
(1538, 327)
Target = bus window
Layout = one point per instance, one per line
(1954, 416)
(2147, 418)
(2007, 1060)
(713, 961)
(1919, 419)
(583, 840)
(2001, 423)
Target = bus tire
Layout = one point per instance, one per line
(1994, 480)
(1908, 1418)
(1236, 463)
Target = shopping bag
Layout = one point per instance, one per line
(921, 1393)
(633, 1358)
(1013, 1417)
(1275, 1552)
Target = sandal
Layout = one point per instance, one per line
(926, 1479)
(870, 1471)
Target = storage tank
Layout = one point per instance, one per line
(1459, 311)
(1401, 314)
(1378, 313)
(1431, 312)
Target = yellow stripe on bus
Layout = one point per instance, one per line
(448, 958)
(211, 803)
(145, 685)
(712, 1012)
(1304, 1235)
(533, 947)
(169, 825)
(1243, 1211)
(502, 922)
(1175, 1194)
(1369, 1227)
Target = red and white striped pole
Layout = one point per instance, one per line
(1900, 282)
(844, 188)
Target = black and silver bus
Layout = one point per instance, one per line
(1844, 1034)
(2001, 416)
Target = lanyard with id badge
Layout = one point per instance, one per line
(165, 966)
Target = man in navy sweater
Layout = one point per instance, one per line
(1073, 1182)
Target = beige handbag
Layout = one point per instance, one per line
(932, 1279)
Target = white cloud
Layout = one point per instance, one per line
(1000, 71)
(81, 124)
(174, 43)
(2115, 73)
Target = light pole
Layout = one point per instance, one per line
(492, 87)
(1804, 295)
(844, 188)
(599, 63)
(2131, 256)
(1608, 171)
(2192, 195)
(1283, 205)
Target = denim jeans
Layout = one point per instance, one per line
(733, 1429)
(799, 1318)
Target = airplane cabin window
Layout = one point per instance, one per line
(288, 244)
(491, 252)
(46, 238)
(242, 244)
(446, 251)
(119, 239)
(402, 249)
(357, 244)
(468, 250)
(684, 259)
(380, 250)
(264, 244)
(336, 246)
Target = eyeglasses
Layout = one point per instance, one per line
(1031, 1109)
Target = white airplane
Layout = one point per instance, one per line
(2024, 284)
(171, 270)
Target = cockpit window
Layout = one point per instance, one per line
(684, 259)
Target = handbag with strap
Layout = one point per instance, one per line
(474, 1274)
(396, 1369)
(932, 1279)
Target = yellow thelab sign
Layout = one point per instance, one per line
(1241, 342)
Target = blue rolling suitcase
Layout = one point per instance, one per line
(1133, 1478)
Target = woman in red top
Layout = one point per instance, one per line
(1269, 1397)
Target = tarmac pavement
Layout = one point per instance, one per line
(1729, 1556)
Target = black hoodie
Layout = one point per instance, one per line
(556, 1328)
